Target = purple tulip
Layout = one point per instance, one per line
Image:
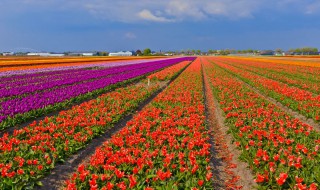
(58, 86)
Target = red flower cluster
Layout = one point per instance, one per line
(168, 73)
(276, 146)
(296, 98)
(34, 150)
(165, 145)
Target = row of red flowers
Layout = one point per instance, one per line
(33, 151)
(281, 72)
(303, 70)
(282, 151)
(168, 73)
(165, 146)
(297, 99)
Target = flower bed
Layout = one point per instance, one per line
(164, 146)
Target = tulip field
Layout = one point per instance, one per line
(160, 123)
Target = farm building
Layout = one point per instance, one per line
(46, 54)
(87, 54)
(7, 53)
(121, 53)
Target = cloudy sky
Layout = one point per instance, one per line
(85, 25)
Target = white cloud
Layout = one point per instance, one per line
(169, 10)
(130, 35)
(147, 15)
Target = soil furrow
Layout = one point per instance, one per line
(217, 164)
(215, 118)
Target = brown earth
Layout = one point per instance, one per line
(222, 146)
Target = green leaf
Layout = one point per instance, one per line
(39, 183)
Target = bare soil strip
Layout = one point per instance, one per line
(224, 165)
(217, 164)
(62, 172)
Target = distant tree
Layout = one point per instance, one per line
(316, 50)
(250, 50)
(225, 52)
(147, 51)
(66, 53)
(102, 53)
(198, 52)
(304, 51)
(193, 52)
(211, 51)
(233, 51)
(278, 51)
(138, 52)
(309, 50)
(298, 51)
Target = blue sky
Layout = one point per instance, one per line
(86, 25)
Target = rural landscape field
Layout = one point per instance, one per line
(159, 95)
(192, 122)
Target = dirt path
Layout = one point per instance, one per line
(63, 171)
(231, 173)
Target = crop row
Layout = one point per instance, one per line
(51, 61)
(165, 146)
(21, 70)
(168, 73)
(297, 99)
(21, 109)
(302, 70)
(45, 81)
(285, 76)
(31, 152)
(43, 73)
(281, 151)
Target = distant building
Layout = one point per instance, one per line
(87, 54)
(38, 54)
(46, 54)
(80, 54)
(7, 53)
(121, 53)
(56, 54)
(267, 52)
(287, 53)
